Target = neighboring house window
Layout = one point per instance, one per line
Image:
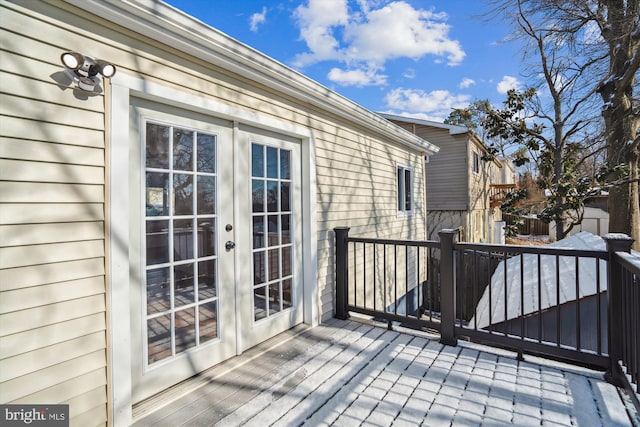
(405, 189)
(476, 162)
(427, 159)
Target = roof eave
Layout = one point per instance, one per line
(179, 30)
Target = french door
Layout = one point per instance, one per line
(218, 265)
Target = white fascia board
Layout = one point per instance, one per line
(168, 25)
(453, 129)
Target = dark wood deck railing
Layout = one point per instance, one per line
(498, 193)
(580, 306)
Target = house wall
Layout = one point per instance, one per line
(52, 226)
(447, 185)
(53, 222)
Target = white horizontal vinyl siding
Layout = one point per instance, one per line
(52, 237)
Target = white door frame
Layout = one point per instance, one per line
(123, 88)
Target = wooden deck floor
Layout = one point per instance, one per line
(350, 373)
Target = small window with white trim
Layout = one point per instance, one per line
(405, 189)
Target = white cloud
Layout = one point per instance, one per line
(436, 104)
(466, 82)
(365, 38)
(409, 74)
(357, 77)
(317, 22)
(508, 82)
(257, 19)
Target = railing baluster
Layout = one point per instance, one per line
(490, 261)
(418, 282)
(475, 289)
(539, 268)
(375, 268)
(406, 280)
(522, 314)
(395, 279)
(558, 300)
(578, 325)
(599, 308)
(364, 275)
(506, 294)
(384, 278)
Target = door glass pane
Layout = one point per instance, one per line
(286, 294)
(259, 268)
(157, 242)
(258, 195)
(284, 197)
(257, 160)
(206, 153)
(206, 195)
(274, 298)
(158, 290)
(285, 164)
(158, 338)
(274, 264)
(206, 237)
(287, 260)
(286, 228)
(272, 196)
(157, 146)
(183, 192)
(259, 303)
(206, 280)
(182, 239)
(183, 285)
(157, 194)
(182, 149)
(182, 295)
(208, 321)
(185, 330)
(273, 230)
(272, 162)
(272, 268)
(258, 232)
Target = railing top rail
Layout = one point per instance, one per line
(504, 185)
(523, 249)
(629, 261)
(421, 243)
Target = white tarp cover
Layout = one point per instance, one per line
(548, 281)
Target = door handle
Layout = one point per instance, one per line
(229, 245)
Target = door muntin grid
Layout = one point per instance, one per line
(272, 228)
(181, 283)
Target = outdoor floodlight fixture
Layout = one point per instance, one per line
(86, 70)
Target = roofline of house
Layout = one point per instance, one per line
(179, 30)
(453, 129)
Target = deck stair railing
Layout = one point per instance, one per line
(579, 306)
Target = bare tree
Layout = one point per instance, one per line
(602, 38)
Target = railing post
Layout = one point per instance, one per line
(616, 242)
(342, 271)
(447, 287)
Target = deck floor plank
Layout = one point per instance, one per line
(355, 373)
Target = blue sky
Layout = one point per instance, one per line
(419, 58)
